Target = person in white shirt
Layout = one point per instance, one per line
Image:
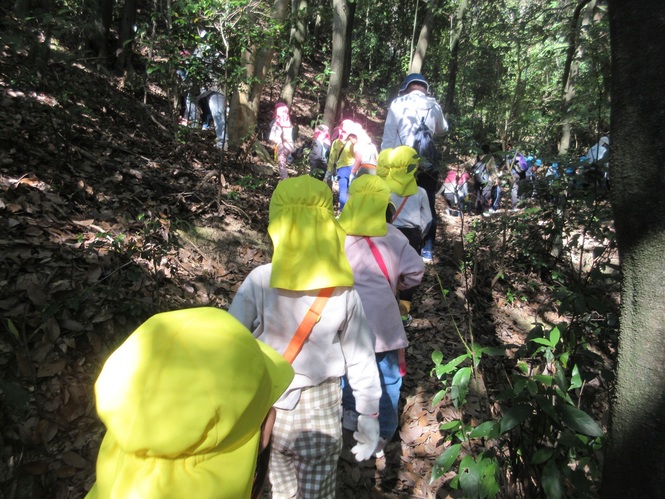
(309, 259)
(404, 116)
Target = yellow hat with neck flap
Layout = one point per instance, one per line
(183, 400)
(308, 241)
(398, 166)
(364, 214)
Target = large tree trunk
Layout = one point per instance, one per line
(418, 55)
(634, 464)
(245, 102)
(570, 72)
(298, 36)
(454, 58)
(337, 62)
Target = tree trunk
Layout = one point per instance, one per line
(337, 62)
(454, 58)
(298, 37)
(245, 101)
(418, 56)
(127, 22)
(570, 72)
(634, 466)
(350, 21)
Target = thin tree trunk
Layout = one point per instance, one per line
(454, 58)
(634, 465)
(337, 62)
(127, 23)
(245, 102)
(570, 72)
(350, 21)
(298, 37)
(418, 56)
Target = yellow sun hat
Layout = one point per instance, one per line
(308, 241)
(397, 166)
(183, 400)
(364, 214)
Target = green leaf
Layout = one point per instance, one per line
(493, 351)
(552, 481)
(545, 405)
(575, 378)
(542, 455)
(514, 416)
(579, 421)
(555, 336)
(489, 487)
(523, 366)
(438, 397)
(469, 477)
(12, 328)
(483, 429)
(560, 377)
(542, 341)
(532, 387)
(450, 425)
(437, 357)
(544, 379)
(445, 461)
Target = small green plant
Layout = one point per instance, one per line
(542, 438)
(249, 182)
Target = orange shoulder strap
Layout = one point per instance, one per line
(400, 208)
(311, 317)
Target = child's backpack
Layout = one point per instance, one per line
(480, 174)
(425, 147)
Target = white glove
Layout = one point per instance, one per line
(367, 437)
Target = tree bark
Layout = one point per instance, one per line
(245, 101)
(634, 466)
(127, 23)
(297, 38)
(350, 21)
(570, 72)
(337, 62)
(454, 58)
(418, 56)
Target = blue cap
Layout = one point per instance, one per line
(413, 77)
(539, 162)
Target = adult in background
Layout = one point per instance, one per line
(282, 136)
(216, 104)
(309, 264)
(404, 116)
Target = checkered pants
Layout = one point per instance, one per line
(307, 442)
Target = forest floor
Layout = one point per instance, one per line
(110, 213)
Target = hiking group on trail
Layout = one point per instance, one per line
(215, 403)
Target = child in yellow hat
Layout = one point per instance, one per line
(183, 400)
(413, 217)
(272, 301)
(383, 262)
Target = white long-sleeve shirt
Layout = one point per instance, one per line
(340, 342)
(415, 213)
(405, 269)
(404, 117)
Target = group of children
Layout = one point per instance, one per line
(192, 401)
